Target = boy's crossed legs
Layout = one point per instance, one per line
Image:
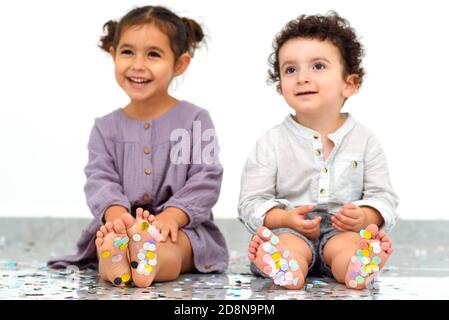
(129, 249)
(353, 259)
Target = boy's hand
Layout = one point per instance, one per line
(166, 225)
(349, 218)
(295, 219)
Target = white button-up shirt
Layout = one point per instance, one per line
(286, 169)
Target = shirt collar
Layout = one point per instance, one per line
(308, 133)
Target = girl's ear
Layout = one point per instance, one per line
(352, 84)
(112, 51)
(182, 64)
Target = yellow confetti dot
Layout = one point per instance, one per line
(150, 255)
(368, 268)
(126, 277)
(149, 268)
(105, 254)
(276, 256)
(123, 246)
(277, 265)
(367, 235)
(365, 253)
(144, 226)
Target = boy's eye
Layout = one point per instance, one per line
(319, 66)
(289, 70)
(154, 54)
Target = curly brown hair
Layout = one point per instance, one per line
(330, 27)
(184, 34)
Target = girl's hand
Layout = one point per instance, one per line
(295, 219)
(349, 218)
(166, 225)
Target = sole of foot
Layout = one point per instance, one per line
(374, 249)
(112, 244)
(274, 260)
(143, 245)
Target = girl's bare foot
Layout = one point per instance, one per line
(112, 244)
(143, 245)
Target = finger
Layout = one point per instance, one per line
(338, 228)
(345, 220)
(303, 210)
(309, 224)
(349, 206)
(165, 231)
(354, 214)
(340, 224)
(174, 234)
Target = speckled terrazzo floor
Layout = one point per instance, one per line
(419, 268)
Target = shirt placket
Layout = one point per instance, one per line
(323, 181)
(147, 170)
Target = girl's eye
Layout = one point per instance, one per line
(126, 52)
(319, 66)
(154, 54)
(289, 70)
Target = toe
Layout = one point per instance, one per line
(99, 242)
(252, 250)
(103, 230)
(109, 226)
(382, 234)
(119, 226)
(373, 229)
(264, 233)
(139, 213)
(128, 220)
(257, 240)
(146, 214)
(100, 234)
(251, 257)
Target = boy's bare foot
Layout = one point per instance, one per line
(112, 245)
(375, 248)
(274, 260)
(143, 244)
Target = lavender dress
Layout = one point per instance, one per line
(130, 165)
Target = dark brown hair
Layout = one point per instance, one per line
(330, 27)
(184, 34)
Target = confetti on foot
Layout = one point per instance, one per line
(365, 265)
(274, 260)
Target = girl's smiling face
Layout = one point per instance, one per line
(312, 76)
(144, 62)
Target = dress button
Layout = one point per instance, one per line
(147, 171)
(325, 170)
(146, 197)
(317, 152)
(146, 126)
(315, 136)
(323, 191)
(146, 150)
(354, 164)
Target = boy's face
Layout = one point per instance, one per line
(144, 62)
(312, 79)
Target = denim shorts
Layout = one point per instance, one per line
(318, 266)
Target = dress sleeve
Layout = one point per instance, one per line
(204, 175)
(102, 187)
(377, 188)
(258, 186)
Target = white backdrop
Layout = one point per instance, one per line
(55, 81)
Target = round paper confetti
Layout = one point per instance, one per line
(134, 264)
(150, 255)
(360, 280)
(117, 258)
(267, 259)
(105, 254)
(377, 260)
(144, 226)
(126, 277)
(288, 276)
(276, 256)
(137, 237)
(117, 281)
(141, 256)
(352, 284)
(123, 246)
(293, 265)
(274, 240)
(152, 262)
(285, 254)
(266, 233)
(266, 246)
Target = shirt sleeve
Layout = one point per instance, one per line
(377, 188)
(258, 186)
(204, 175)
(102, 187)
